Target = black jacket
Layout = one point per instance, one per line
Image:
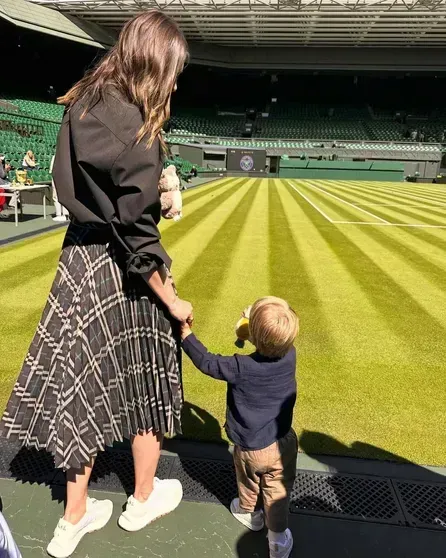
(261, 393)
(102, 176)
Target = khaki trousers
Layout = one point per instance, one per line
(266, 477)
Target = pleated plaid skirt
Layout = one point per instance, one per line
(105, 362)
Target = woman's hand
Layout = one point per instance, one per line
(181, 310)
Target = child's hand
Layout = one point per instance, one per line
(246, 312)
(185, 330)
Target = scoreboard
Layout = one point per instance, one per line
(246, 160)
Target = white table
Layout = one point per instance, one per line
(15, 192)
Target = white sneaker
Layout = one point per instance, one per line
(165, 497)
(67, 536)
(253, 521)
(60, 218)
(277, 550)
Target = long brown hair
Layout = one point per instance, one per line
(143, 66)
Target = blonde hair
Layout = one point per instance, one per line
(273, 326)
(143, 66)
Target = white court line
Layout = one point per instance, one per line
(441, 206)
(400, 195)
(348, 203)
(413, 225)
(310, 202)
(394, 186)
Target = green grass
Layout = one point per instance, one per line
(371, 298)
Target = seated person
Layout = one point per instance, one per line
(4, 182)
(29, 161)
(2, 204)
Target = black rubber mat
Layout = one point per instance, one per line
(357, 497)
(206, 481)
(349, 496)
(424, 504)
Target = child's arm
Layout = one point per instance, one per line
(216, 366)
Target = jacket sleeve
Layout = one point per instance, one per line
(216, 366)
(135, 174)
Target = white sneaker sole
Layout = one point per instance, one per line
(245, 520)
(136, 524)
(91, 528)
(285, 555)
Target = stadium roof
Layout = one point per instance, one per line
(37, 18)
(324, 23)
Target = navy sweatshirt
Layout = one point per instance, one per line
(261, 392)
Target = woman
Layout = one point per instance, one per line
(105, 362)
(29, 161)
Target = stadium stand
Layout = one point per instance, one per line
(183, 167)
(208, 123)
(33, 124)
(29, 124)
(309, 121)
(37, 109)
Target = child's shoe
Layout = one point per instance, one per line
(281, 550)
(253, 521)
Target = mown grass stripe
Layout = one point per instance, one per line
(387, 296)
(391, 213)
(431, 237)
(386, 198)
(191, 245)
(287, 264)
(414, 256)
(382, 195)
(439, 192)
(365, 214)
(18, 253)
(215, 321)
(428, 236)
(353, 196)
(190, 196)
(32, 269)
(394, 186)
(204, 280)
(335, 215)
(432, 272)
(177, 230)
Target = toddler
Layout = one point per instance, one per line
(260, 401)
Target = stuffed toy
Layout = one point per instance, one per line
(242, 327)
(169, 189)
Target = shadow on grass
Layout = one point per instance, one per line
(202, 424)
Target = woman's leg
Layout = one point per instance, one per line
(81, 516)
(77, 492)
(151, 499)
(146, 450)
